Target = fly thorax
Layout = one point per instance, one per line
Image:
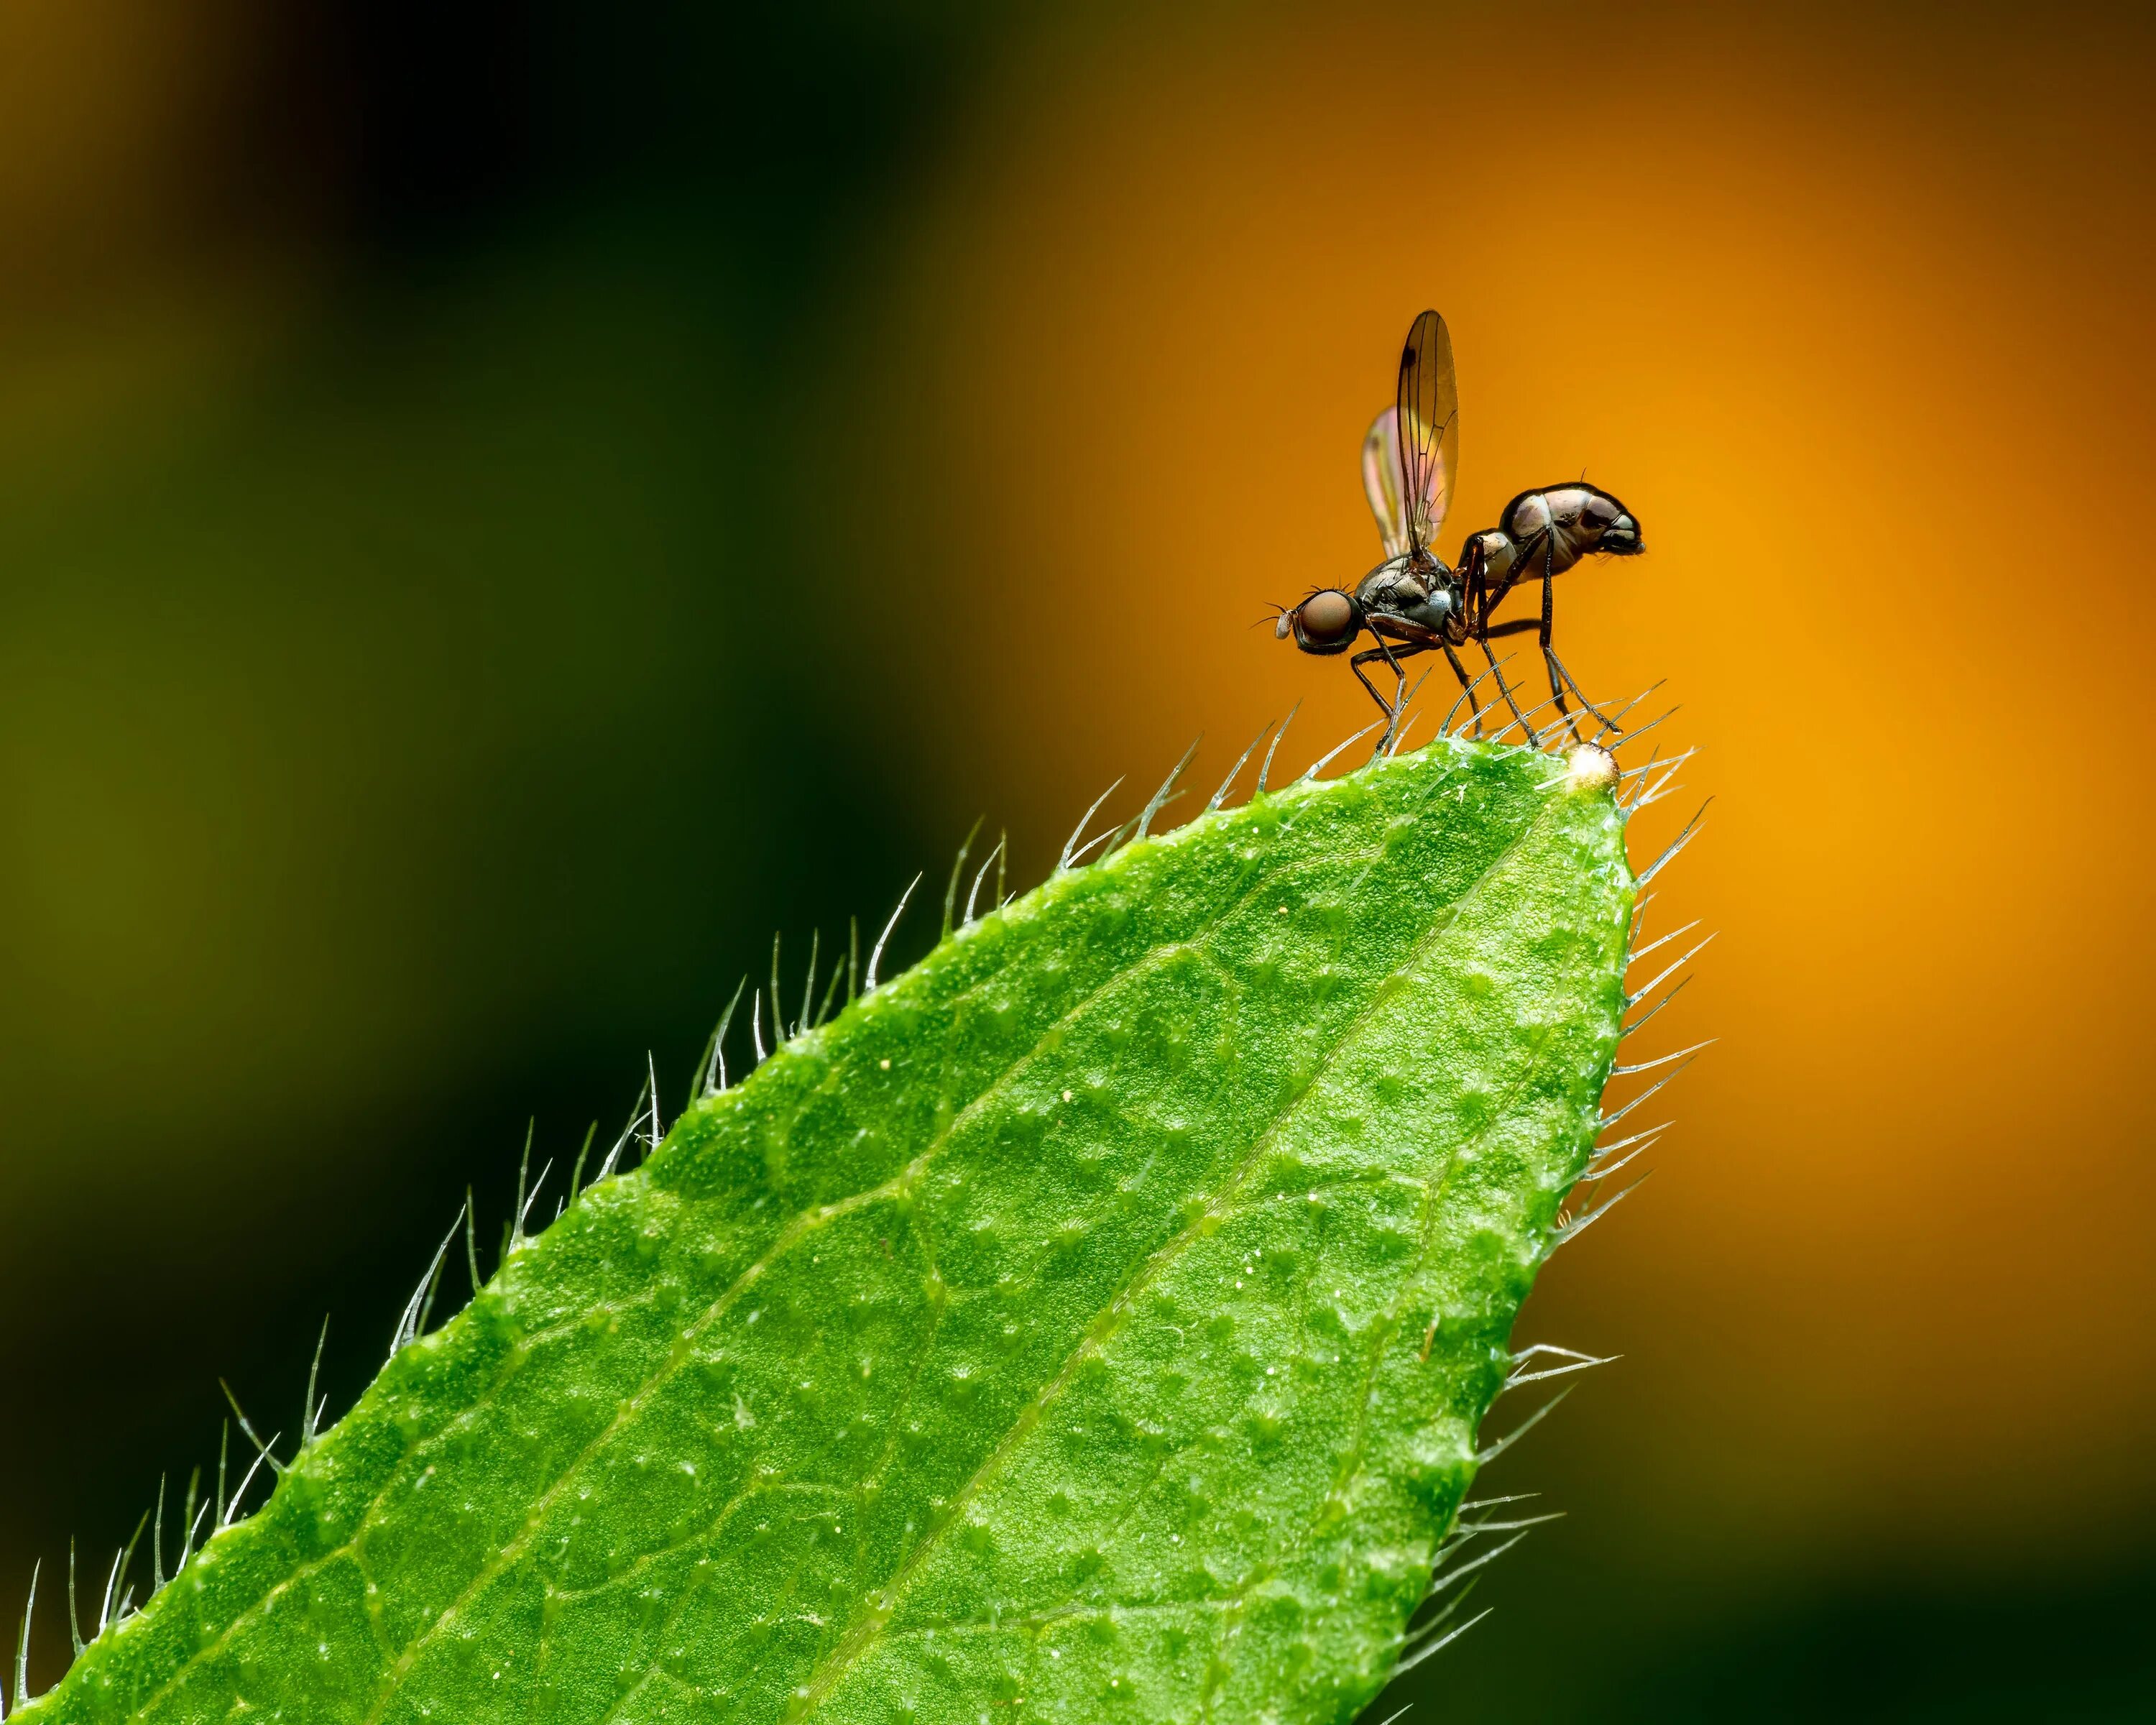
(1381, 588)
(1431, 605)
(1435, 610)
(1417, 586)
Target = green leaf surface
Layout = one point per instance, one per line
(1094, 1323)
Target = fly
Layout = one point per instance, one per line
(1413, 601)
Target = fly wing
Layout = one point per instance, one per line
(1381, 480)
(1429, 427)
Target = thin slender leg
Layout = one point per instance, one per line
(1561, 679)
(1355, 664)
(1385, 651)
(1505, 688)
(1490, 600)
(1466, 686)
(1609, 724)
(1494, 593)
(1475, 605)
(1557, 676)
(1520, 625)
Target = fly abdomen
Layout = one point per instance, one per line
(1498, 554)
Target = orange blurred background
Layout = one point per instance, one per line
(500, 521)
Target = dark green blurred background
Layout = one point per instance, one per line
(502, 507)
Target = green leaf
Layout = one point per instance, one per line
(1094, 1322)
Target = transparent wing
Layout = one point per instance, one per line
(1429, 429)
(1381, 480)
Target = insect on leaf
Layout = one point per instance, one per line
(1094, 1322)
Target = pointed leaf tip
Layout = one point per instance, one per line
(987, 1313)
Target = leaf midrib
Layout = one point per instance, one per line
(785, 1241)
(809, 1694)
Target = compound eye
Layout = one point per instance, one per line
(1326, 617)
(1599, 511)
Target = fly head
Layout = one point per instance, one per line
(1327, 622)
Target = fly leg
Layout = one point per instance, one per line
(1561, 679)
(1558, 675)
(1475, 606)
(1484, 598)
(1611, 727)
(1391, 708)
(1520, 626)
(1356, 665)
(1504, 688)
(1493, 593)
(1466, 686)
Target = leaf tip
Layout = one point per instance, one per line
(1589, 766)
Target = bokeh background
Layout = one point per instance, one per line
(501, 507)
